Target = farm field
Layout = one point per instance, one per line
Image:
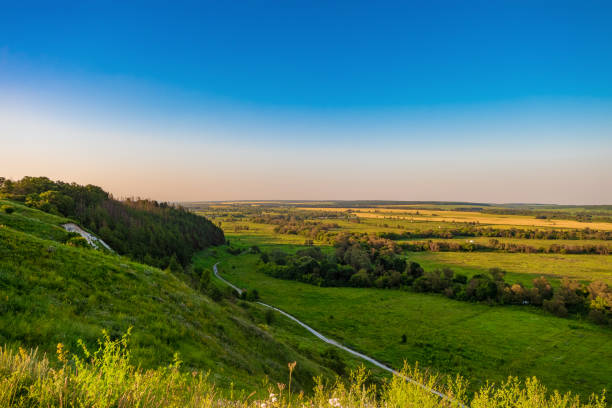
(522, 267)
(238, 220)
(475, 340)
(448, 336)
(467, 217)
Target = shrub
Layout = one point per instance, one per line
(9, 209)
(269, 316)
(555, 306)
(78, 242)
(108, 378)
(252, 295)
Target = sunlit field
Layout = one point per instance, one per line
(479, 342)
(476, 340)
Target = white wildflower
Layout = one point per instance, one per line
(335, 402)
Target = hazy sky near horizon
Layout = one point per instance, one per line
(472, 101)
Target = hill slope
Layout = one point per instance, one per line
(145, 230)
(52, 292)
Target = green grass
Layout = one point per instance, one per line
(53, 293)
(522, 267)
(37, 223)
(475, 340)
(536, 243)
(108, 378)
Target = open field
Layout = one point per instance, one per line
(467, 217)
(475, 340)
(237, 221)
(536, 243)
(522, 267)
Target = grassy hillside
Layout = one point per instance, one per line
(154, 233)
(54, 293)
(107, 379)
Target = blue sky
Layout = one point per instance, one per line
(469, 88)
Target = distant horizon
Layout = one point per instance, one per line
(487, 102)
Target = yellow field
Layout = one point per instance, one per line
(463, 216)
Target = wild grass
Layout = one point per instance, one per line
(477, 341)
(521, 267)
(51, 293)
(37, 223)
(107, 378)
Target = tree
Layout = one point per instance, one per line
(174, 266)
(215, 293)
(252, 295)
(360, 279)
(205, 277)
(269, 316)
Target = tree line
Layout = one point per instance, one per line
(473, 231)
(595, 213)
(313, 227)
(371, 262)
(496, 245)
(158, 234)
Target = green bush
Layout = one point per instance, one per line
(107, 378)
(9, 209)
(78, 242)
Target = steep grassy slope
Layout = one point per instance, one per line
(54, 293)
(147, 231)
(35, 222)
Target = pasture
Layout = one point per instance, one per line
(475, 340)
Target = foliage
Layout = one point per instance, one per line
(495, 245)
(373, 262)
(61, 290)
(492, 232)
(448, 336)
(147, 231)
(107, 378)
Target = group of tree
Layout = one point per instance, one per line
(592, 213)
(369, 262)
(475, 231)
(496, 245)
(159, 234)
(307, 226)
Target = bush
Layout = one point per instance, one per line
(269, 316)
(555, 306)
(9, 209)
(107, 378)
(252, 295)
(233, 251)
(215, 293)
(78, 242)
(460, 278)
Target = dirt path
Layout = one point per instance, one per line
(91, 239)
(338, 345)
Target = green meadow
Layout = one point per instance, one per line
(477, 341)
(522, 267)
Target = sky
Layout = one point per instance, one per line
(484, 101)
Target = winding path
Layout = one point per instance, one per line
(341, 346)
